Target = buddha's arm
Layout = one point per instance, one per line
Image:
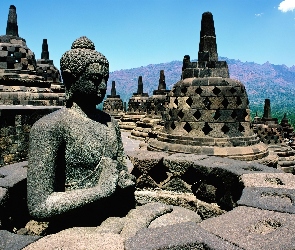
(43, 200)
(125, 179)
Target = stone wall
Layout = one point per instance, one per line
(15, 125)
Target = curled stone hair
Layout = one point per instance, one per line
(75, 61)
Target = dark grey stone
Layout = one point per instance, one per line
(182, 236)
(77, 173)
(11, 241)
(276, 199)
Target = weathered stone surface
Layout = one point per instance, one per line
(3, 196)
(75, 238)
(183, 236)
(13, 174)
(185, 200)
(178, 215)
(11, 241)
(252, 228)
(77, 172)
(142, 216)
(268, 198)
(274, 180)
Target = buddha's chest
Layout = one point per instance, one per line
(87, 141)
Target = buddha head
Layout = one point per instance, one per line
(85, 73)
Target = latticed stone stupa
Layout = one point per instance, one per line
(208, 112)
(113, 105)
(19, 82)
(48, 71)
(137, 108)
(149, 125)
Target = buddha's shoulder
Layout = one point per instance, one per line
(56, 118)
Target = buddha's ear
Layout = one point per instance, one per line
(68, 77)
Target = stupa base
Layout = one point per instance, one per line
(243, 153)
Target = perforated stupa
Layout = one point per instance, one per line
(208, 112)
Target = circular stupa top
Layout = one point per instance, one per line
(83, 43)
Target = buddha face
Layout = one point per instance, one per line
(91, 86)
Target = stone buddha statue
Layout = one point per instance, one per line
(76, 156)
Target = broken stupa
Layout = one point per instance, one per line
(208, 112)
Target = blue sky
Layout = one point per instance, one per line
(137, 33)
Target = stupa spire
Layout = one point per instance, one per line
(267, 109)
(45, 52)
(113, 90)
(207, 45)
(12, 28)
(140, 86)
(162, 83)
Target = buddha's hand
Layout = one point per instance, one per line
(126, 179)
(109, 176)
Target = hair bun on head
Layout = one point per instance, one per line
(83, 43)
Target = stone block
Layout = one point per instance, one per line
(178, 215)
(253, 228)
(3, 65)
(273, 180)
(276, 199)
(79, 238)
(142, 216)
(3, 53)
(11, 241)
(13, 174)
(182, 236)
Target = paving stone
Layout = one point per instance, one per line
(142, 216)
(253, 228)
(276, 199)
(75, 238)
(274, 180)
(178, 215)
(13, 174)
(182, 236)
(11, 241)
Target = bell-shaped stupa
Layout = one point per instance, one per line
(208, 112)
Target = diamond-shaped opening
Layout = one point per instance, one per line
(225, 103)
(193, 176)
(216, 91)
(176, 102)
(170, 113)
(216, 115)
(207, 103)
(207, 129)
(199, 91)
(241, 128)
(180, 114)
(189, 101)
(197, 114)
(239, 101)
(225, 129)
(187, 127)
(173, 125)
(184, 90)
(136, 172)
(158, 173)
(174, 90)
(233, 90)
(234, 114)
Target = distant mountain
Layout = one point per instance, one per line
(276, 82)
